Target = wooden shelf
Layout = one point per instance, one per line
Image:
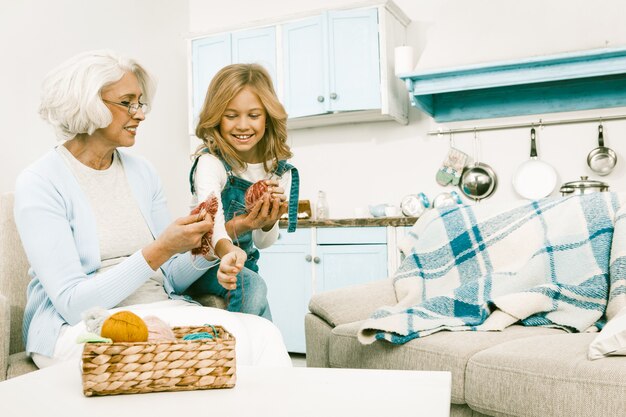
(557, 83)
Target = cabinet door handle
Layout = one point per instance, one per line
(308, 258)
(320, 99)
(316, 259)
(333, 96)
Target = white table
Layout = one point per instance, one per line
(275, 392)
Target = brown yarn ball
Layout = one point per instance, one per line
(255, 192)
(125, 326)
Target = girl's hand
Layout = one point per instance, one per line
(275, 190)
(230, 265)
(265, 213)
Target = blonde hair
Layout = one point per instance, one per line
(226, 84)
(70, 99)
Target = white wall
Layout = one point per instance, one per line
(356, 164)
(369, 163)
(37, 35)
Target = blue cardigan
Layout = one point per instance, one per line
(58, 231)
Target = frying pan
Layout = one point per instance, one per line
(601, 160)
(534, 179)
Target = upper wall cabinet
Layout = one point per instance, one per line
(580, 80)
(328, 68)
(210, 54)
(331, 63)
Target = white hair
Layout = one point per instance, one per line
(71, 100)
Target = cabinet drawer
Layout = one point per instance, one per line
(351, 235)
(300, 236)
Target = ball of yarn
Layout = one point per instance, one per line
(209, 208)
(254, 192)
(158, 330)
(125, 326)
(94, 317)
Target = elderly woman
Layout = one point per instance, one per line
(94, 223)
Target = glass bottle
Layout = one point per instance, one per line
(321, 206)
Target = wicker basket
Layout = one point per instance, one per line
(181, 365)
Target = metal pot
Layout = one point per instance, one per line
(478, 181)
(584, 186)
(601, 160)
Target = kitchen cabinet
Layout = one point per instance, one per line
(314, 260)
(286, 269)
(210, 54)
(338, 67)
(348, 256)
(328, 68)
(332, 63)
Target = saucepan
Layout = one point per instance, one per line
(601, 160)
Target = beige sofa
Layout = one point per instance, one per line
(13, 282)
(521, 371)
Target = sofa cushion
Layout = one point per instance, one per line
(356, 302)
(442, 351)
(612, 338)
(546, 376)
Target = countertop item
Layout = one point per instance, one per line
(367, 222)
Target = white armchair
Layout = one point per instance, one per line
(13, 282)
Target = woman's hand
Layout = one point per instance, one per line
(184, 234)
(230, 265)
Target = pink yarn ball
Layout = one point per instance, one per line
(158, 330)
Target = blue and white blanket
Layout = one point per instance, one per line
(487, 266)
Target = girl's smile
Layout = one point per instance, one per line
(243, 124)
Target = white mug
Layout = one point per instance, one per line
(391, 211)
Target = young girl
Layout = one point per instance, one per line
(244, 130)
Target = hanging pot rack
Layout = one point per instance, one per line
(540, 123)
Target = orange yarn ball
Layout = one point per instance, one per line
(125, 326)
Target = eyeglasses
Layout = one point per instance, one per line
(133, 108)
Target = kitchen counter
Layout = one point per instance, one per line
(362, 222)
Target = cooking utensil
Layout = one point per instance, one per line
(479, 180)
(534, 179)
(584, 186)
(601, 160)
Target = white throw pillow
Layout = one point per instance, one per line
(612, 339)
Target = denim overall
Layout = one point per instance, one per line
(250, 287)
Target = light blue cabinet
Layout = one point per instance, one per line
(210, 54)
(305, 67)
(332, 63)
(351, 255)
(314, 260)
(286, 269)
(328, 68)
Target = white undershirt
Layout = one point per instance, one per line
(122, 229)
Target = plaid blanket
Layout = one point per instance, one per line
(485, 267)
